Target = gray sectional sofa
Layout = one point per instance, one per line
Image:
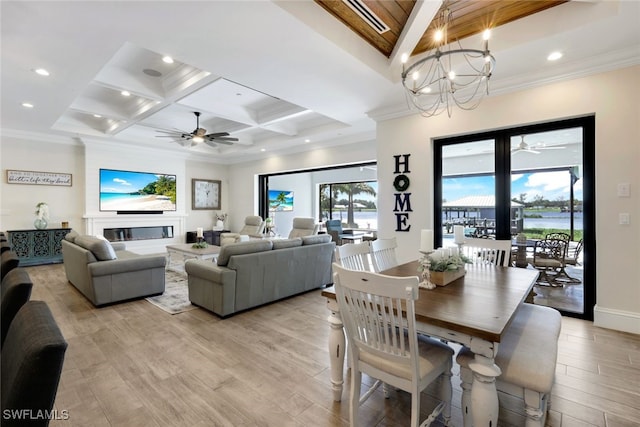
(257, 272)
(106, 272)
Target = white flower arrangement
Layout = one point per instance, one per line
(221, 217)
(42, 211)
(443, 260)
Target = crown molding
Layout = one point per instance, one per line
(40, 137)
(614, 60)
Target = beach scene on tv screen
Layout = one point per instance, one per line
(136, 191)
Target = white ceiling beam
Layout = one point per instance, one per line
(421, 16)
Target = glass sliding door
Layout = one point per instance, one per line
(468, 189)
(547, 181)
(534, 182)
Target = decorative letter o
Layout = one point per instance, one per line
(401, 182)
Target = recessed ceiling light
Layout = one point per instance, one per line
(554, 56)
(41, 71)
(97, 116)
(125, 93)
(167, 59)
(263, 149)
(27, 105)
(307, 140)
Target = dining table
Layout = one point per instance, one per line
(475, 310)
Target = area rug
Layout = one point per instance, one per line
(175, 298)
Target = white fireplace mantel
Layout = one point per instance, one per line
(97, 222)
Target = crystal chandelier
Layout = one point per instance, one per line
(447, 76)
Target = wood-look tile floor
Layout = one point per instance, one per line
(133, 364)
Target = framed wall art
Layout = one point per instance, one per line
(205, 194)
(280, 201)
(38, 178)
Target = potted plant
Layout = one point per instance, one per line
(443, 266)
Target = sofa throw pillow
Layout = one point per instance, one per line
(287, 243)
(101, 249)
(315, 239)
(71, 236)
(252, 246)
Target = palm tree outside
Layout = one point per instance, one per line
(350, 190)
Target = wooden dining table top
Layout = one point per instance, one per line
(481, 303)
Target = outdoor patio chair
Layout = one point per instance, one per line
(548, 257)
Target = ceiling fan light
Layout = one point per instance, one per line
(197, 139)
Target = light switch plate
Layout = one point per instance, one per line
(623, 189)
(623, 219)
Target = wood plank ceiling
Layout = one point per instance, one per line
(469, 17)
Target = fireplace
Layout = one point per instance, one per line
(125, 234)
(143, 234)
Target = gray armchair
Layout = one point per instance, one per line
(303, 227)
(253, 227)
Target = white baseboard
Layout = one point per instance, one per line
(625, 321)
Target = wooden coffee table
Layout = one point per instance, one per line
(178, 254)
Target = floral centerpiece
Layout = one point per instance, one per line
(442, 267)
(200, 245)
(42, 216)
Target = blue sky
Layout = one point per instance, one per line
(551, 185)
(112, 181)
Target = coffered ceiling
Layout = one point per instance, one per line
(281, 76)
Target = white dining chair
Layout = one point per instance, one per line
(383, 254)
(354, 256)
(379, 318)
(488, 251)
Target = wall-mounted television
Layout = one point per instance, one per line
(136, 192)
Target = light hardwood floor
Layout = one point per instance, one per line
(133, 364)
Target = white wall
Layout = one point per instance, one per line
(301, 186)
(244, 176)
(79, 204)
(613, 97)
(18, 202)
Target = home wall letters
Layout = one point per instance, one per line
(401, 183)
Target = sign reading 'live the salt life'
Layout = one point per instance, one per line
(401, 182)
(38, 178)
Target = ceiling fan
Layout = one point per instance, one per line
(523, 146)
(198, 135)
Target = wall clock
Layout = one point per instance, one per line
(205, 194)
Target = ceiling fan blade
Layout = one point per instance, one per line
(216, 135)
(167, 136)
(223, 138)
(210, 143)
(532, 151)
(222, 141)
(170, 131)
